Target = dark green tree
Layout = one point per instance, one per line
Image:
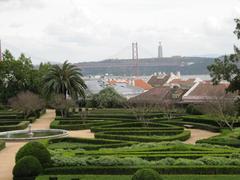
(7, 56)
(38, 75)
(14, 76)
(227, 68)
(65, 79)
(107, 98)
(18, 75)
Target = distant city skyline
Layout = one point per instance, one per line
(94, 30)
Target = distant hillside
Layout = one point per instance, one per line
(147, 66)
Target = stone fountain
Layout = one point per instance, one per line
(29, 134)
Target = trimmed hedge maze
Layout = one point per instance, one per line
(99, 156)
(122, 145)
(11, 120)
(129, 177)
(120, 125)
(227, 137)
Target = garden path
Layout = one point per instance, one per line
(197, 134)
(7, 155)
(7, 159)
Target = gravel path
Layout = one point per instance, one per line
(81, 133)
(7, 159)
(197, 134)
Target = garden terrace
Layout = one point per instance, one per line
(94, 156)
(120, 146)
(124, 126)
(150, 151)
(157, 127)
(11, 120)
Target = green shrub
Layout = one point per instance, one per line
(131, 169)
(165, 162)
(146, 174)
(27, 168)
(2, 145)
(101, 161)
(218, 161)
(188, 162)
(227, 137)
(35, 149)
(235, 155)
(181, 136)
(14, 125)
(193, 109)
(204, 119)
(106, 98)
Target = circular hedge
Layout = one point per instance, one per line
(146, 174)
(36, 149)
(26, 168)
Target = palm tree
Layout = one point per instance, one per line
(66, 80)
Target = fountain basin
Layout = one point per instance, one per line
(24, 135)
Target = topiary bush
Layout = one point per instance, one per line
(27, 168)
(36, 149)
(146, 174)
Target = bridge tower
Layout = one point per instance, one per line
(160, 50)
(135, 57)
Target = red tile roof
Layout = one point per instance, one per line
(159, 94)
(208, 91)
(157, 81)
(114, 81)
(142, 84)
(181, 81)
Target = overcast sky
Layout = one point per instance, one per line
(90, 30)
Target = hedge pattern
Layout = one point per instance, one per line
(124, 170)
(123, 144)
(11, 120)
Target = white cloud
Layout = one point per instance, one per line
(94, 30)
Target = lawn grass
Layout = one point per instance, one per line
(127, 177)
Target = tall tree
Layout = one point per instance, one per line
(7, 56)
(227, 68)
(19, 74)
(65, 79)
(15, 75)
(27, 102)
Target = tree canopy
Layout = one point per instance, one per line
(107, 98)
(19, 74)
(227, 68)
(65, 79)
(15, 75)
